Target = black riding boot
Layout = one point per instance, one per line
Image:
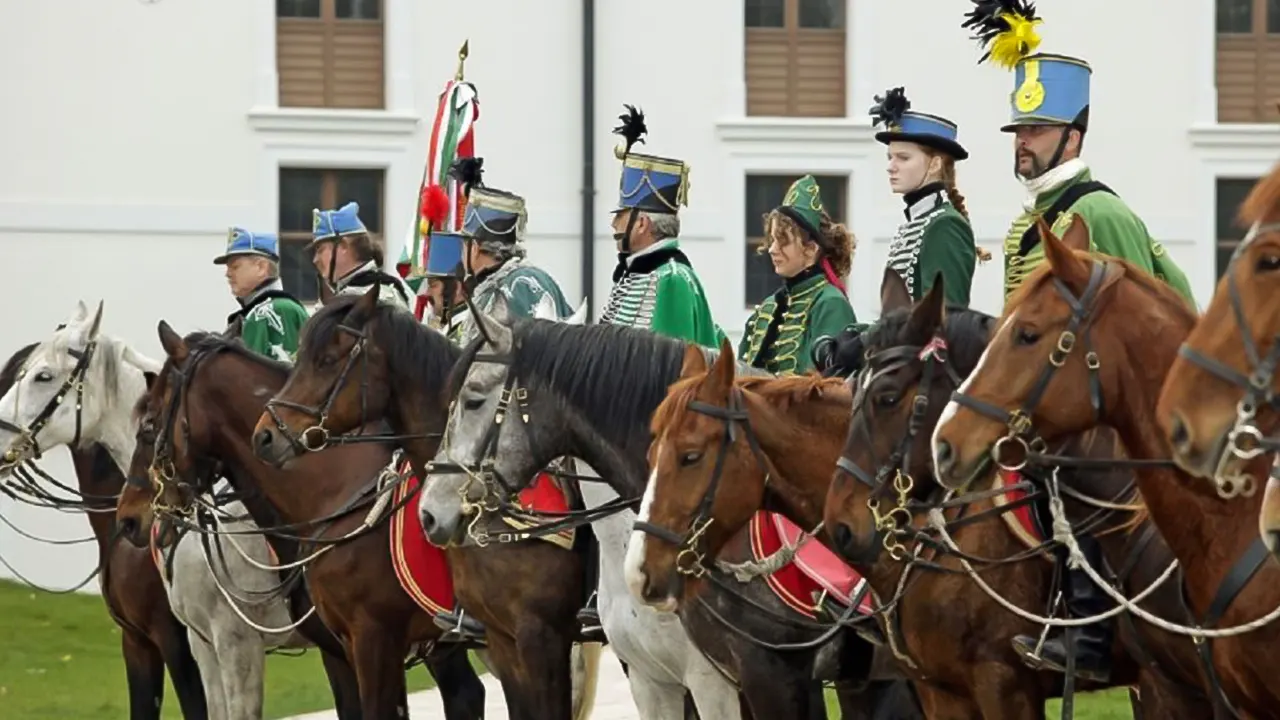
(1092, 642)
(458, 626)
(589, 616)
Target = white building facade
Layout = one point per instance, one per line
(135, 135)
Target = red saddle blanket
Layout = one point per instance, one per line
(815, 569)
(421, 567)
(1020, 520)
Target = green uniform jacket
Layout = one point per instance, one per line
(524, 287)
(656, 289)
(271, 322)
(1114, 230)
(781, 331)
(935, 238)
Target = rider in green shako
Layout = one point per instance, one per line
(811, 253)
(654, 285)
(269, 318)
(1050, 117)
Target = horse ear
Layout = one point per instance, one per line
(174, 346)
(893, 291)
(142, 362)
(97, 323)
(695, 362)
(1077, 235)
(927, 315)
(1062, 260)
(363, 308)
(722, 372)
(82, 312)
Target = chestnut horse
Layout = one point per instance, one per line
(1125, 328)
(1219, 403)
(947, 633)
(151, 637)
(203, 407)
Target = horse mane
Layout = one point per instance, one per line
(967, 332)
(424, 357)
(611, 372)
(1262, 199)
(9, 373)
(201, 342)
(781, 392)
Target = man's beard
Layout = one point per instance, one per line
(1037, 168)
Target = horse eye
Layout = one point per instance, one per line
(1026, 337)
(44, 376)
(326, 361)
(690, 458)
(888, 399)
(472, 403)
(1268, 263)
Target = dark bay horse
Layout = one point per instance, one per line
(918, 355)
(361, 362)
(588, 392)
(1125, 328)
(151, 638)
(202, 408)
(1219, 403)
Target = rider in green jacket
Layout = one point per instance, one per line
(269, 319)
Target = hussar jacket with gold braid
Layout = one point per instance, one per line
(782, 330)
(1114, 230)
(656, 289)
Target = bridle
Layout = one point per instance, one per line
(74, 384)
(691, 546)
(1020, 436)
(318, 436)
(930, 357)
(1244, 441)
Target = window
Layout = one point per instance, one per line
(764, 193)
(1248, 60)
(329, 53)
(1229, 195)
(303, 190)
(795, 57)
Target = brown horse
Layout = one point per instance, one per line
(1219, 403)
(1125, 328)
(960, 656)
(151, 637)
(202, 409)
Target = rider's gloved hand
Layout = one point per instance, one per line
(839, 356)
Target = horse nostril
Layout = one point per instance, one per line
(944, 456)
(129, 527)
(1179, 434)
(843, 538)
(264, 439)
(428, 521)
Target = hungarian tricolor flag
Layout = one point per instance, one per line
(452, 137)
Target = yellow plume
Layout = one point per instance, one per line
(1019, 41)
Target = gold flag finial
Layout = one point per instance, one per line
(462, 58)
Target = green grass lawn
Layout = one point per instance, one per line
(60, 660)
(1109, 705)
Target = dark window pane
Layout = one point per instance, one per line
(296, 271)
(1235, 16)
(827, 14)
(764, 193)
(1231, 192)
(364, 187)
(298, 8)
(1273, 17)
(359, 9)
(765, 13)
(300, 192)
(1223, 257)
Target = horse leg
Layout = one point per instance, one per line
(938, 704)
(1161, 697)
(656, 700)
(1002, 691)
(712, 693)
(242, 661)
(144, 671)
(211, 675)
(777, 684)
(343, 684)
(879, 700)
(378, 655)
(460, 688)
(544, 653)
(184, 671)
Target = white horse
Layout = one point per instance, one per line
(99, 379)
(662, 660)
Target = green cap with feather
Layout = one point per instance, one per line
(803, 203)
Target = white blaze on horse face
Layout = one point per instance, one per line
(949, 412)
(633, 566)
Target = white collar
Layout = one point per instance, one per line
(1050, 181)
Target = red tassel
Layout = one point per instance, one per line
(435, 206)
(830, 272)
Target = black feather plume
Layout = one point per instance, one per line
(632, 128)
(468, 170)
(889, 107)
(985, 20)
